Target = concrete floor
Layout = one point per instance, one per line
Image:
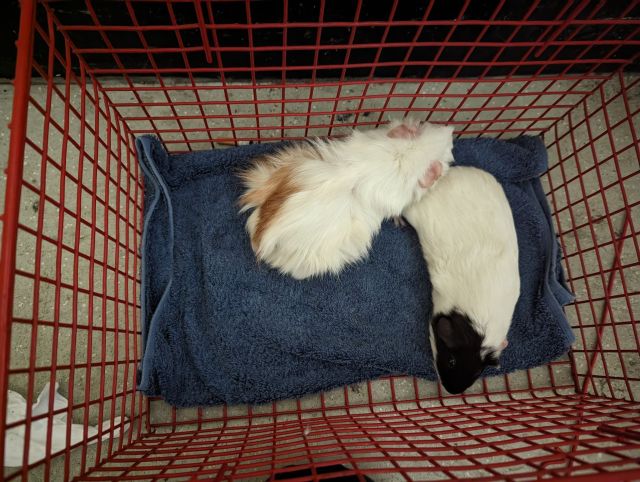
(24, 340)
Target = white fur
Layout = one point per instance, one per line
(344, 195)
(468, 238)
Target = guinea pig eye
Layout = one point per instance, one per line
(452, 362)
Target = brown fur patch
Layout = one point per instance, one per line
(254, 197)
(270, 183)
(257, 190)
(281, 187)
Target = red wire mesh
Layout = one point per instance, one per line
(204, 74)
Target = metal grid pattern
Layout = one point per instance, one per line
(544, 437)
(204, 74)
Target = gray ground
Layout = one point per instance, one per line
(24, 340)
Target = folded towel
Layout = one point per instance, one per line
(220, 328)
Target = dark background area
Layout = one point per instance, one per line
(8, 36)
(263, 11)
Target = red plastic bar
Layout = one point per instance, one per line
(22, 84)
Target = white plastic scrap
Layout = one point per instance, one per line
(14, 437)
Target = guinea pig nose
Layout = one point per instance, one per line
(455, 387)
(455, 383)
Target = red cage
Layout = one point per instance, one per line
(202, 74)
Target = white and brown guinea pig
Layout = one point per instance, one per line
(468, 238)
(317, 205)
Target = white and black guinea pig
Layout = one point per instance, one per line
(468, 239)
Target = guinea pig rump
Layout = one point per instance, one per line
(269, 184)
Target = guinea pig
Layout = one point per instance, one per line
(468, 238)
(316, 206)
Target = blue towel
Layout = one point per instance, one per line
(220, 328)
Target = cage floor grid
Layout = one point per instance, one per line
(205, 74)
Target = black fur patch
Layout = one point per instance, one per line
(491, 359)
(458, 351)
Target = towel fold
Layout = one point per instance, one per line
(220, 328)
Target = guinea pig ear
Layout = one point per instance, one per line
(445, 331)
(402, 131)
(431, 175)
